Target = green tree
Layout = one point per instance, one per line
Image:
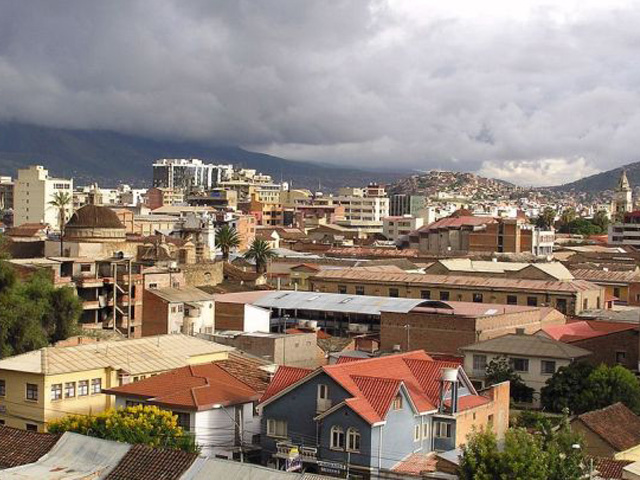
(608, 385)
(260, 252)
(601, 220)
(564, 390)
(147, 425)
(565, 454)
(61, 201)
(500, 370)
(535, 422)
(480, 457)
(227, 238)
(546, 219)
(523, 457)
(568, 215)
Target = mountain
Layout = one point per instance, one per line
(110, 158)
(462, 183)
(603, 180)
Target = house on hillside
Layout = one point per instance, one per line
(367, 416)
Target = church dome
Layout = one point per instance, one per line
(94, 223)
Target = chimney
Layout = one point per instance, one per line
(519, 331)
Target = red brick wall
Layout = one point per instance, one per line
(229, 316)
(604, 348)
(155, 315)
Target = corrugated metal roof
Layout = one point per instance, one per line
(141, 355)
(596, 275)
(336, 302)
(210, 468)
(182, 294)
(528, 345)
(74, 457)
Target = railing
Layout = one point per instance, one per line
(307, 454)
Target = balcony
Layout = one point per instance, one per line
(307, 454)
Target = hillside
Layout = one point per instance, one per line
(603, 181)
(462, 183)
(111, 158)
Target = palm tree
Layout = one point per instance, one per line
(227, 238)
(261, 253)
(61, 201)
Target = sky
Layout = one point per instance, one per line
(537, 93)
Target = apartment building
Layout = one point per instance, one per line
(45, 384)
(394, 227)
(569, 297)
(363, 206)
(33, 191)
(187, 310)
(158, 197)
(186, 174)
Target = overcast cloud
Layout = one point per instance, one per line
(517, 90)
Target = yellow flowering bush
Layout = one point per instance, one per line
(144, 424)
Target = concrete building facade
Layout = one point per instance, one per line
(33, 191)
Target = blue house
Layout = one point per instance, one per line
(364, 417)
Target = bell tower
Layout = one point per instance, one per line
(623, 199)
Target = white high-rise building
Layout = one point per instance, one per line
(33, 191)
(184, 174)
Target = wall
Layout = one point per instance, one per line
(155, 315)
(594, 444)
(604, 348)
(15, 410)
(229, 316)
(203, 274)
(256, 319)
(478, 417)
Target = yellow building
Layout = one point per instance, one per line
(52, 382)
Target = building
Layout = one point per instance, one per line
(6, 193)
(187, 310)
(214, 402)
(612, 343)
(569, 297)
(366, 416)
(446, 327)
(401, 204)
(52, 382)
(534, 358)
(158, 197)
(187, 174)
(395, 227)
(625, 231)
(612, 432)
(463, 233)
(623, 197)
(553, 271)
(33, 191)
(367, 206)
(621, 285)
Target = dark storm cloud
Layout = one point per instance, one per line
(535, 99)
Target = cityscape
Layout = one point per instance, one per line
(319, 239)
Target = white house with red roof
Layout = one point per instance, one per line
(369, 416)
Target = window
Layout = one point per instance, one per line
(585, 304)
(85, 267)
(490, 419)
(342, 289)
(416, 433)
(337, 438)
(561, 305)
(547, 367)
(276, 428)
(477, 297)
(397, 402)
(519, 364)
(1, 423)
(153, 285)
(96, 385)
(442, 430)
(393, 292)
(359, 290)
(70, 389)
(621, 357)
(180, 308)
(56, 391)
(616, 292)
(425, 294)
(3, 388)
(184, 420)
(30, 427)
(532, 301)
(32, 392)
(425, 430)
(512, 300)
(353, 440)
(444, 296)
(323, 392)
(479, 363)
(83, 388)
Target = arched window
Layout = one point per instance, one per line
(337, 437)
(353, 440)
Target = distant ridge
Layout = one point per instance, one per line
(111, 158)
(603, 180)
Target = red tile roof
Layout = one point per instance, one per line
(19, 447)
(416, 463)
(197, 387)
(608, 468)
(319, 333)
(26, 230)
(373, 383)
(284, 377)
(146, 463)
(615, 424)
(582, 330)
(347, 359)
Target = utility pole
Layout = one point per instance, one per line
(408, 328)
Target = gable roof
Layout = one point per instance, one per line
(373, 383)
(145, 463)
(529, 346)
(608, 468)
(199, 387)
(585, 329)
(615, 424)
(19, 447)
(285, 377)
(181, 294)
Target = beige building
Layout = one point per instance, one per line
(399, 226)
(33, 191)
(45, 384)
(533, 357)
(569, 297)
